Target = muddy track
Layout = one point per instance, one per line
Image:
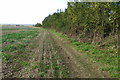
(52, 57)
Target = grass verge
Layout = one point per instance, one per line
(106, 55)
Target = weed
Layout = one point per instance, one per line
(14, 48)
(35, 67)
(5, 57)
(24, 63)
(30, 76)
(17, 36)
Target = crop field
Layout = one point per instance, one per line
(29, 52)
(21, 54)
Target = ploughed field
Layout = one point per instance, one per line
(29, 52)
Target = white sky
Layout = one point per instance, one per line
(28, 11)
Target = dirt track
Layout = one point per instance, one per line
(55, 58)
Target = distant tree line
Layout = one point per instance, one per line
(38, 25)
(93, 20)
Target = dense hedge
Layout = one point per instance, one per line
(95, 20)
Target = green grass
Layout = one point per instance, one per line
(5, 57)
(23, 28)
(58, 34)
(107, 55)
(16, 50)
(10, 29)
(17, 36)
(24, 63)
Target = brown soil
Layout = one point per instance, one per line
(18, 28)
(9, 31)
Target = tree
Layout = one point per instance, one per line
(38, 25)
(90, 19)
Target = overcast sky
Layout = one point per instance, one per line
(28, 11)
